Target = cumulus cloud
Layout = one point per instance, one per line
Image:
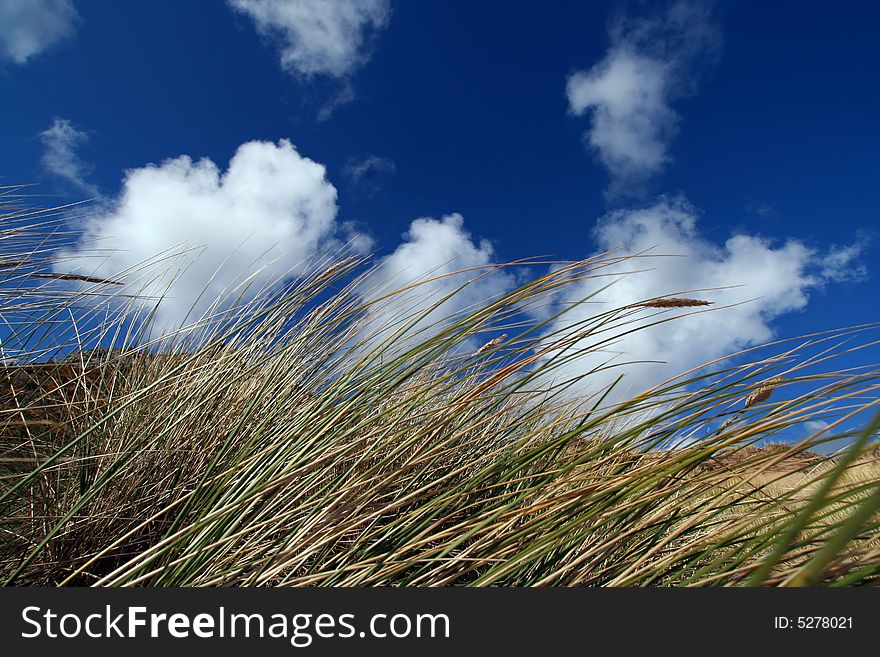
(60, 158)
(367, 173)
(318, 37)
(266, 215)
(628, 95)
(433, 253)
(28, 27)
(770, 279)
(187, 233)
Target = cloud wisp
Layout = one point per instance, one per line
(29, 27)
(651, 62)
(60, 158)
(367, 173)
(842, 262)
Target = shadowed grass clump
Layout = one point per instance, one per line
(296, 438)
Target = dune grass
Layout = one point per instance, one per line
(288, 441)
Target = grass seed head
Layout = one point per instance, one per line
(763, 393)
(492, 343)
(674, 302)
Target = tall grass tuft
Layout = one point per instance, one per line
(297, 438)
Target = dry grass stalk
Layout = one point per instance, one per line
(78, 277)
(275, 452)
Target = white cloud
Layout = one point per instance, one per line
(772, 279)
(433, 254)
(28, 27)
(271, 210)
(60, 143)
(632, 123)
(650, 63)
(318, 37)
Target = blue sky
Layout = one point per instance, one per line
(742, 135)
